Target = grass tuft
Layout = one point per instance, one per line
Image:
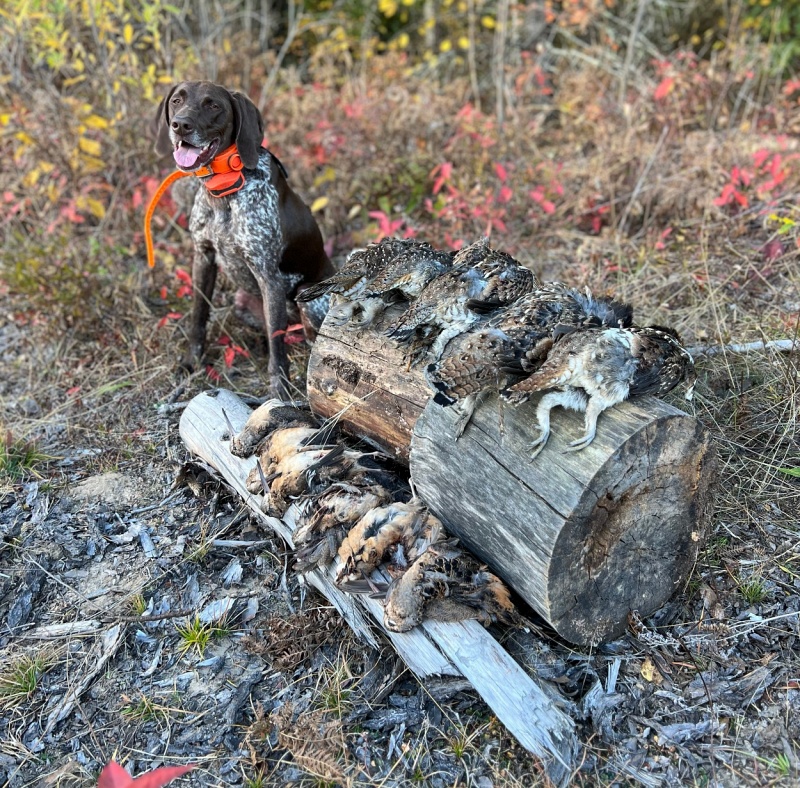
(19, 458)
(19, 681)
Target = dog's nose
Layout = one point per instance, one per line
(182, 125)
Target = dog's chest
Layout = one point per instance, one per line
(243, 229)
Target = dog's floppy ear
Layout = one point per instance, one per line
(249, 129)
(160, 126)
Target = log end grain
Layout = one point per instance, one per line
(583, 537)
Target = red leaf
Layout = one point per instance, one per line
(114, 776)
(505, 194)
(664, 88)
(73, 390)
(160, 777)
(229, 355)
(548, 207)
(164, 292)
(224, 340)
(771, 252)
(213, 374)
(184, 276)
(501, 172)
(444, 170)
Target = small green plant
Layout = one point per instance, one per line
(144, 709)
(753, 590)
(20, 680)
(334, 692)
(782, 765)
(138, 605)
(18, 458)
(197, 635)
(256, 781)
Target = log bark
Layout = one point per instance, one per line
(360, 378)
(583, 537)
(435, 648)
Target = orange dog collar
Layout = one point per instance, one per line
(222, 176)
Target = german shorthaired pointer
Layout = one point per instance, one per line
(246, 220)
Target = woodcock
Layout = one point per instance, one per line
(375, 276)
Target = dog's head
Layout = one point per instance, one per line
(197, 120)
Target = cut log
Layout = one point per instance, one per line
(583, 537)
(435, 648)
(360, 378)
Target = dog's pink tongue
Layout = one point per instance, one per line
(186, 155)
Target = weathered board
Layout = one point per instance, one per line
(435, 648)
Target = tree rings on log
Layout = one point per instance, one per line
(584, 537)
(360, 378)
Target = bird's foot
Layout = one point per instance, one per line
(580, 443)
(537, 445)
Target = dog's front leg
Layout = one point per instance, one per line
(276, 321)
(204, 276)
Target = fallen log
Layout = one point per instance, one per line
(360, 378)
(583, 537)
(435, 648)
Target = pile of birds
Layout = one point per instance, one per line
(483, 323)
(357, 512)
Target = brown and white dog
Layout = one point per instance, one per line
(245, 219)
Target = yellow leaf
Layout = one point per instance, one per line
(650, 673)
(488, 22)
(319, 204)
(96, 208)
(387, 7)
(32, 177)
(23, 138)
(5, 119)
(92, 147)
(96, 122)
(327, 175)
(463, 42)
(127, 34)
(445, 46)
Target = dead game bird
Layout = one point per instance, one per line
(285, 479)
(272, 415)
(491, 356)
(595, 369)
(481, 276)
(446, 584)
(329, 516)
(403, 528)
(361, 267)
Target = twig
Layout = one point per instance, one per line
(640, 9)
(782, 345)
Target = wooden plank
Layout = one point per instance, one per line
(434, 648)
(518, 702)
